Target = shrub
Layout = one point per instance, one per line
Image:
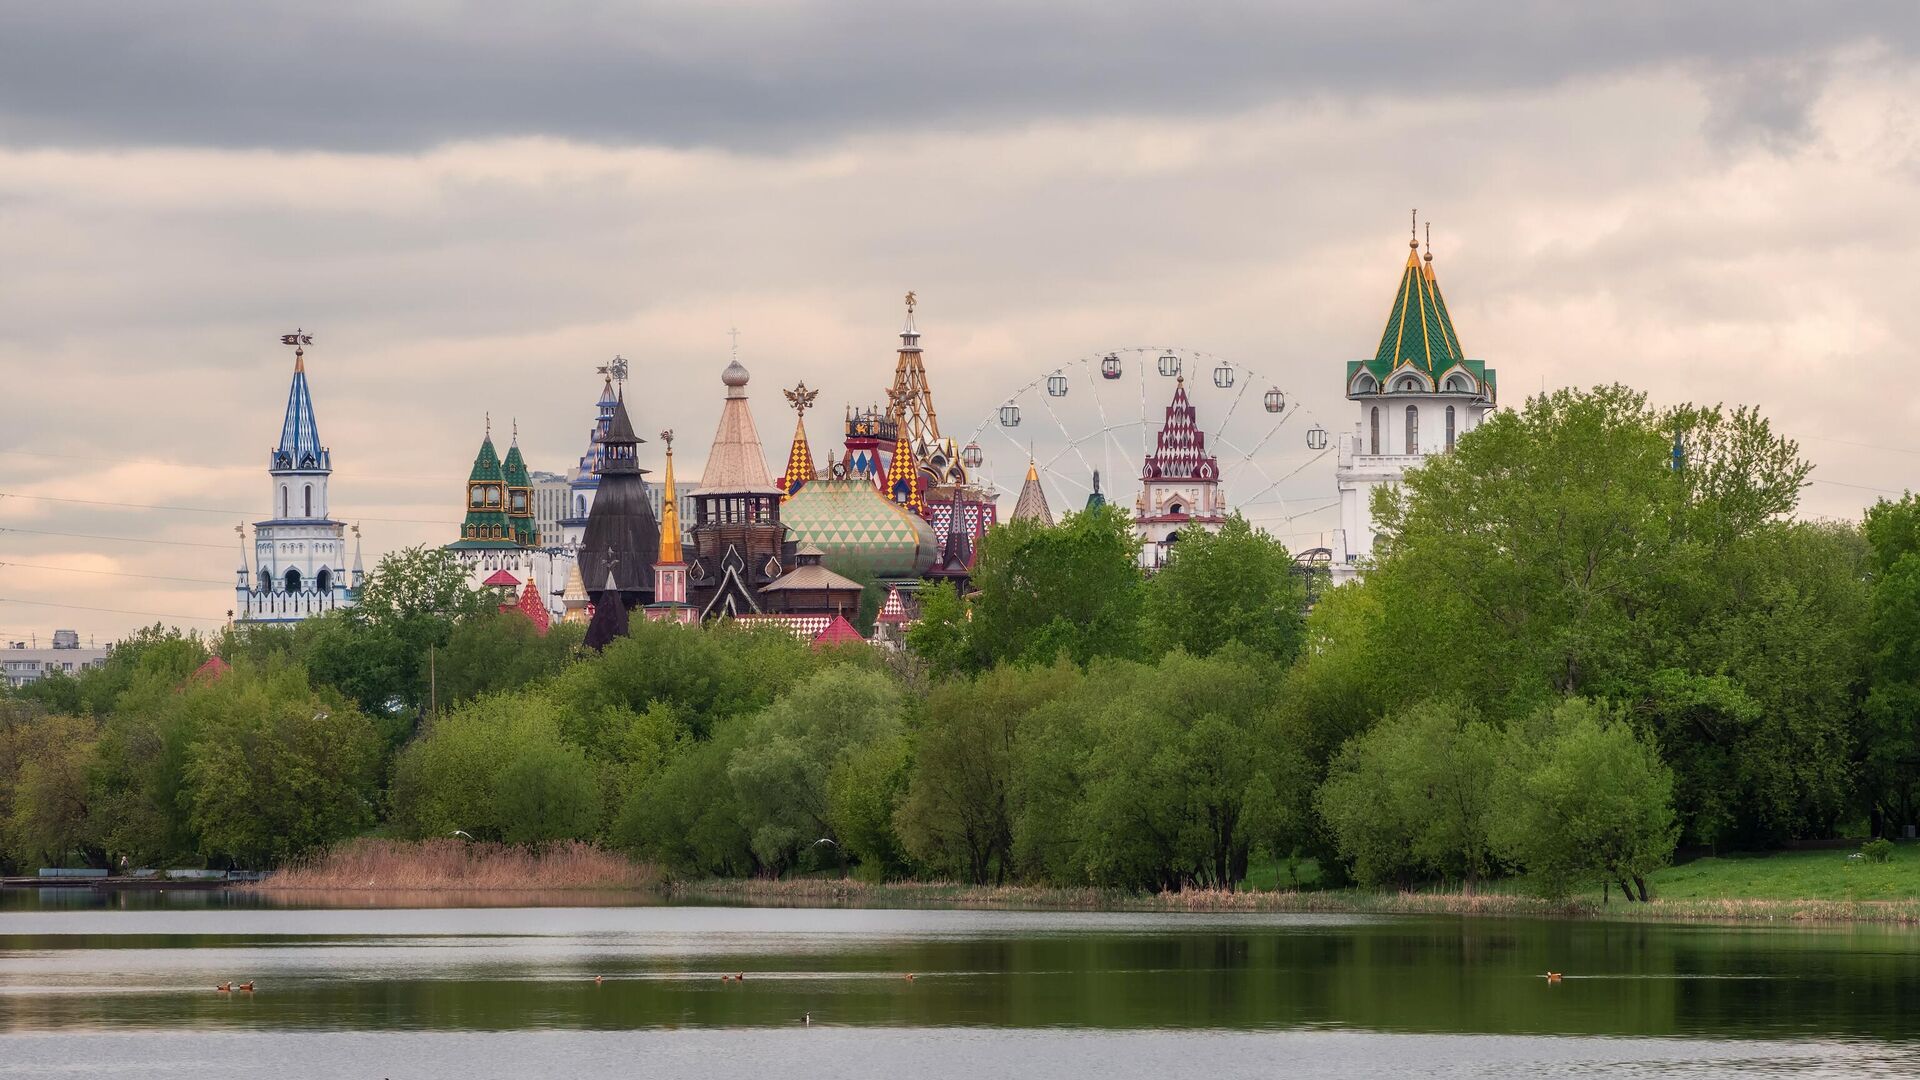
(1879, 849)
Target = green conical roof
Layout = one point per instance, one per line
(1420, 333)
(1418, 329)
(515, 468)
(486, 464)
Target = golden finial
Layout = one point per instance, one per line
(801, 398)
(1429, 254)
(1414, 228)
(911, 300)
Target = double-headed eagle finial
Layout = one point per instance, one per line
(801, 398)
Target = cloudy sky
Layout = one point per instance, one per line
(473, 204)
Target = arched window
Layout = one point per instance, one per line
(283, 500)
(293, 580)
(1374, 444)
(308, 495)
(1458, 384)
(1449, 427)
(323, 581)
(1413, 429)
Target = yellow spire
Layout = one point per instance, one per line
(669, 510)
(800, 467)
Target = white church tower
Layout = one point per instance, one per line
(1417, 395)
(300, 555)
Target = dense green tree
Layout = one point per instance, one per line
(1890, 743)
(1585, 798)
(686, 815)
(1415, 795)
(1238, 585)
(46, 812)
(707, 672)
(1187, 771)
(863, 791)
(501, 650)
(453, 775)
(780, 774)
(1071, 589)
(275, 770)
(387, 656)
(957, 813)
(942, 637)
(547, 792)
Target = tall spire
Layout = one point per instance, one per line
(903, 473)
(912, 396)
(800, 467)
(299, 448)
(669, 509)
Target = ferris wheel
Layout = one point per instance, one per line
(1101, 413)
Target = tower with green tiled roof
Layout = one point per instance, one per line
(486, 525)
(520, 519)
(1418, 394)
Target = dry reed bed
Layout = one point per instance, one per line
(434, 865)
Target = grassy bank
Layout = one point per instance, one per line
(818, 892)
(1820, 886)
(442, 865)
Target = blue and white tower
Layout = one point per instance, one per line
(584, 481)
(300, 566)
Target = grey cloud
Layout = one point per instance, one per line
(770, 75)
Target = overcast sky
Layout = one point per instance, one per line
(473, 204)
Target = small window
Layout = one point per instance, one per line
(1449, 427)
(283, 501)
(307, 494)
(1374, 442)
(1413, 429)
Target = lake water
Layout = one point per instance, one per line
(123, 986)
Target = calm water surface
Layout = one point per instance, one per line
(125, 987)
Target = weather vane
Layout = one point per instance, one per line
(667, 437)
(296, 339)
(615, 370)
(801, 398)
(911, 301)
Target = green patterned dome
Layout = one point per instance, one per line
(851, 518)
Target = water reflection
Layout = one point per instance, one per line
(151, 965)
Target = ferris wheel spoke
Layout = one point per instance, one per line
(1295, 472)
(1065, 434)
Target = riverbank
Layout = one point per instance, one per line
(1739, 889)
(839, 893)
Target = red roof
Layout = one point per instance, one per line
(534, 608)
(211, 670)
(501, 577)
(894, 610)
(838, 632)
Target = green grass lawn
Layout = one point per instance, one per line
(1775, 875)
(1793, 875)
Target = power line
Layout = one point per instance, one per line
(111, 611)
(1857, 487)
(116, 459)
(200, 509)
(123, 539)
(113, 573)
